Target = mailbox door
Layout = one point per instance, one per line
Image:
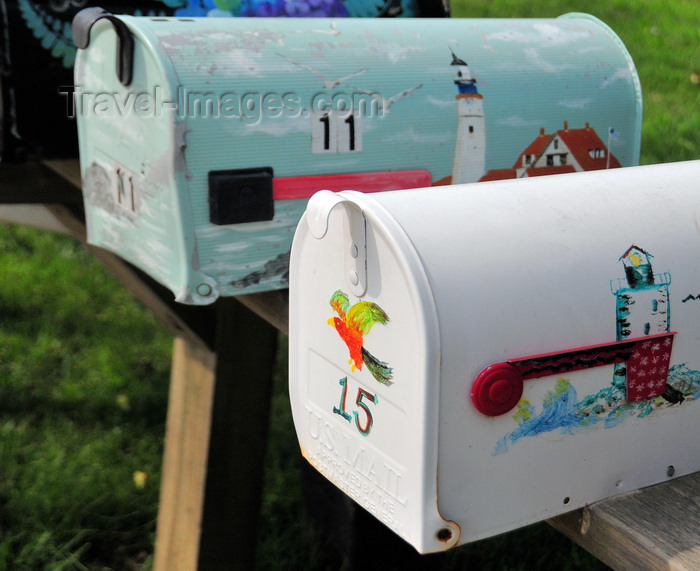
(135, 186)
(364, 365)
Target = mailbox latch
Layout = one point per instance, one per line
(355, 258)
(241, 195)
(354, 235)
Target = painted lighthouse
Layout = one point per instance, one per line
(642, 310)
(642, 304)
(470, 148)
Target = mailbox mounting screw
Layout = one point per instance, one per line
(204, 290)
(444, 534)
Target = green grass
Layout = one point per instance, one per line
(84, 369)
(663, 38)
(84, 373)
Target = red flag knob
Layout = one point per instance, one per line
(497, 389)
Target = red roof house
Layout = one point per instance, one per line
(567, 150)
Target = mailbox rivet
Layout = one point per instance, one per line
(354, 252)
(354, 278)
(670, 471)
(444, 534)
(204, 290)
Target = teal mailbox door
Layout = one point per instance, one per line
(198, 168)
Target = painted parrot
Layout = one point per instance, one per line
(352, 325)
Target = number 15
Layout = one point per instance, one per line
(366, 426)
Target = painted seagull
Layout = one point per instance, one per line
(352, 324)
(332, 32)
(386, 103)
(327, 83)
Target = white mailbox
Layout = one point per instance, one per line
(470, 359)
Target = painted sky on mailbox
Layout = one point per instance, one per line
(531, 76)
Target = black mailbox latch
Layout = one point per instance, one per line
(241, 195)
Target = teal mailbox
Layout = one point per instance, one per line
(201, 139)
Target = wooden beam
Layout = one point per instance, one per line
(69, 169)
(272, 306)
(192, 323)
(35, 183)
(652, 528)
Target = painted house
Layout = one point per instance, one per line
(565, 151)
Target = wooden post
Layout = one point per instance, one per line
(185, 457)
(245, 347)
(216, 438)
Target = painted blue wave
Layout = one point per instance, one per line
(562, 411)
